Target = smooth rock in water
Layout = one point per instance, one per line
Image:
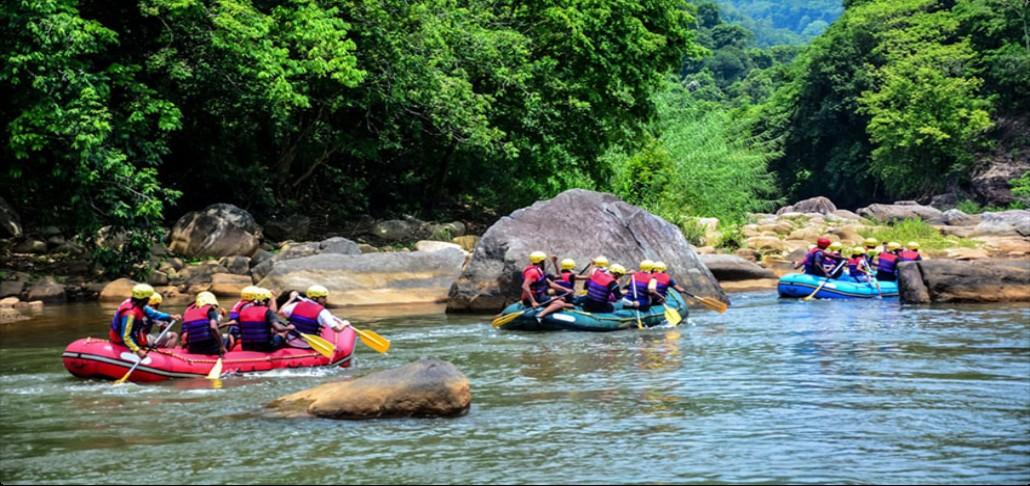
(47, 290)
(31, 246)
(117, 290)
(733, 268)
(228, 284)
(11, 287)
(958, 281)
(10, 314)
(891, 213)
(217, 231)
(34, 306)
(575, 224)
(9, 301)
(10, 223)
(425, 388)
(372, 278)
(818, 204)
(955, 217)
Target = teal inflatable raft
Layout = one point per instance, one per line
(799, 285)
(579, 320)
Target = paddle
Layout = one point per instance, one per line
(370, 338)
(713, 304)
(825, 281)
(149, 349)
(319, 344)
(672, 315)
(639, 324)
(216, 370)
(502, 320)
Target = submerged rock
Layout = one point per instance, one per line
(575, 224)
(425, 388)
(727, 268)
(963, 281)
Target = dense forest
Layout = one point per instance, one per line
(127, 115)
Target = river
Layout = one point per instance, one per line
(771, 391)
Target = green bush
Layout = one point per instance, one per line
(928, 237)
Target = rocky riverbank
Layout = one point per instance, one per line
(223, 249)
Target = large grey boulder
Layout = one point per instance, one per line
(47, 290)
(373, 278)
(964, 281)
(817, 204)
(10, 224)
(425, 388)
(576, 224)
(264, 261)
(1005, 223)
(902, 210)
(727, 268)
(992, 183)
(955, 217)
(217, 231)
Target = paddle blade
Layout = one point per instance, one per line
(672, 316)
(319, 344)
(124, 378)
(500, 321)
(373, 340)
(216, 370)
(713, 304)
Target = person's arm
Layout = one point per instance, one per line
(127, 336)
(327, 318)
(213, 322)
(294, 296)
(156, 315)
(278, 325)
(614, 289)
(526, 291)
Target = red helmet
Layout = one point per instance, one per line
(823, 242)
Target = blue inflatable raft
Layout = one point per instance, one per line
(799, 285)
(579, 320)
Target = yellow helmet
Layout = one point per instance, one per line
(537, 257)
(206, 298)
(871, 242)
(913, 245)
(316, 291)
(262, 294)
(646, 266)
(249, 292)
(155, 298)
(617, 269)
(836, 246)
(894, 245)
(600, 261)
(142, 291)
(568, 264)
(660, 266)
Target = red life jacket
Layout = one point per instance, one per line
(888, 263)
(639, 284)
(537, 282)
(855, 266)
(254, 328)
(664, 282)
(813, 260)
(126, 309)
(597, 287)
(305, 317)
(197, 326)
(234, 313)
(567, 279)
(909, 256)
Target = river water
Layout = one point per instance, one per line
(771, 391)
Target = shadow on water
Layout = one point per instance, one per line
(771, 391)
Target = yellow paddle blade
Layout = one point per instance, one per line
(500, 321)
(673, 316)
(123, 378)
(320, 344)
(216, 370)
(373, 340)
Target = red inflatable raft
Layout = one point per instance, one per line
(100, 358)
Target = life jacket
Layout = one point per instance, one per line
(197, 325)
(856, 265)
(566, 279)
(909, 256)
(537, 286)
(254, 329)
(234, 313)
(597, 287)
(888, 263)
(638, 292)
(121, 315)
(664, 282)
(305, 317)
(813, 259)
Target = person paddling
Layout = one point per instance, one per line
(663, 281)
(200, 331)
(309, 315)
(152, 315)
(127, 324)
(564, 286)
(816, 258)
(642, 288)
(887, 263)
(603, 288)
(261, 329)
